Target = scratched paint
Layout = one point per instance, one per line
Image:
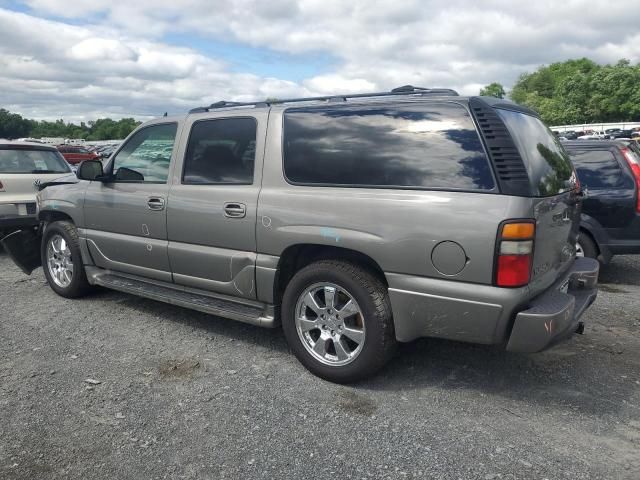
(330, 233)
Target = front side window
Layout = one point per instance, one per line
(147, 155)
(221, 151)
(32, 161)
(430, 145)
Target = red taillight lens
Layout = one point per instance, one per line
(634, 164)
(513, 270)
(1, 186)
(515, 253)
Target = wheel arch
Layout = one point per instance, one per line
(298, 256)
(49, 216)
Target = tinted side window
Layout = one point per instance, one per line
(597, 169)
(221, 151)
(416, 146)
(146, 155)
(547, 163)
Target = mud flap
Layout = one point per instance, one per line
(23, 247)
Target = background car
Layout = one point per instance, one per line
(22, 166)
(75, 154)
(621, 134)
(609, 172)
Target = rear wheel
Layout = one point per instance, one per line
(337, 320)
(585, 247)
(62, 260)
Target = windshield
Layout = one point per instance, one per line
(548, 165)
(32, 161)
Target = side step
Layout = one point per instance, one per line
(262, 316)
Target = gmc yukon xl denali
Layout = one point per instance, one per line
(354, 222)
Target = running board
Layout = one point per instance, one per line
(262, 316)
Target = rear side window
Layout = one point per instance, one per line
(411, 146)
(548, 164)
(32, 161)
(221, 151)
(597, 169)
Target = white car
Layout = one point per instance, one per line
(593, 136)
(24, 166)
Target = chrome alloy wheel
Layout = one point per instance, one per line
(59, 261)
(579, 250)
(330, 324)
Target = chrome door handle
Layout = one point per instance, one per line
(155, 203)
(235, 210)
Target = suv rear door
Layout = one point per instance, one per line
(211, 214)
(555, 201)
(125, 218)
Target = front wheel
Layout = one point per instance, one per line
(337, 320)
(62, 260)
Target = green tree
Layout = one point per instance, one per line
(581, 91)
(494, 89)
(13, 125)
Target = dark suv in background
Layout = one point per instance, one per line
(609, 172)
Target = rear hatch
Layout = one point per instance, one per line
(21, 169)
(555, 198)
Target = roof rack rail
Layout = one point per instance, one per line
(403, 90)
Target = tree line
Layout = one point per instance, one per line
(578, 91)
(13, 125)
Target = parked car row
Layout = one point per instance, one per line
(608, 134)
(104, 151)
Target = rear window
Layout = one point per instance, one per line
(32, 161)
(597, 169)
(406, 146)
(548, 164)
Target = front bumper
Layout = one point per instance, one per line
(554, 315)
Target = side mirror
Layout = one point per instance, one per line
(90, 170)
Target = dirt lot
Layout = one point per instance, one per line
(186, 395)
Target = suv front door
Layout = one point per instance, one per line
(125, 216)
(211, 214)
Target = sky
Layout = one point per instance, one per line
(85, 59)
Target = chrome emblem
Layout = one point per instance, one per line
(36, 184)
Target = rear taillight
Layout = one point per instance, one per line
(514, 254)
(1, 186)
(634, 165)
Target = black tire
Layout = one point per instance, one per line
(370, 294)
(589, 248)
(79, 285)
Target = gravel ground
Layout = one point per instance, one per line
(186, 395)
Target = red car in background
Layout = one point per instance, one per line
(75, 154)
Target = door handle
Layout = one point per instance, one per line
(155, 203)
(235, 210)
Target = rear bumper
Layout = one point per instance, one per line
(554, 315)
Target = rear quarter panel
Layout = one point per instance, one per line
(398, 229)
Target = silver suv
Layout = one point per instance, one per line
(354, 221)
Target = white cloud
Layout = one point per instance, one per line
(118, 63)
